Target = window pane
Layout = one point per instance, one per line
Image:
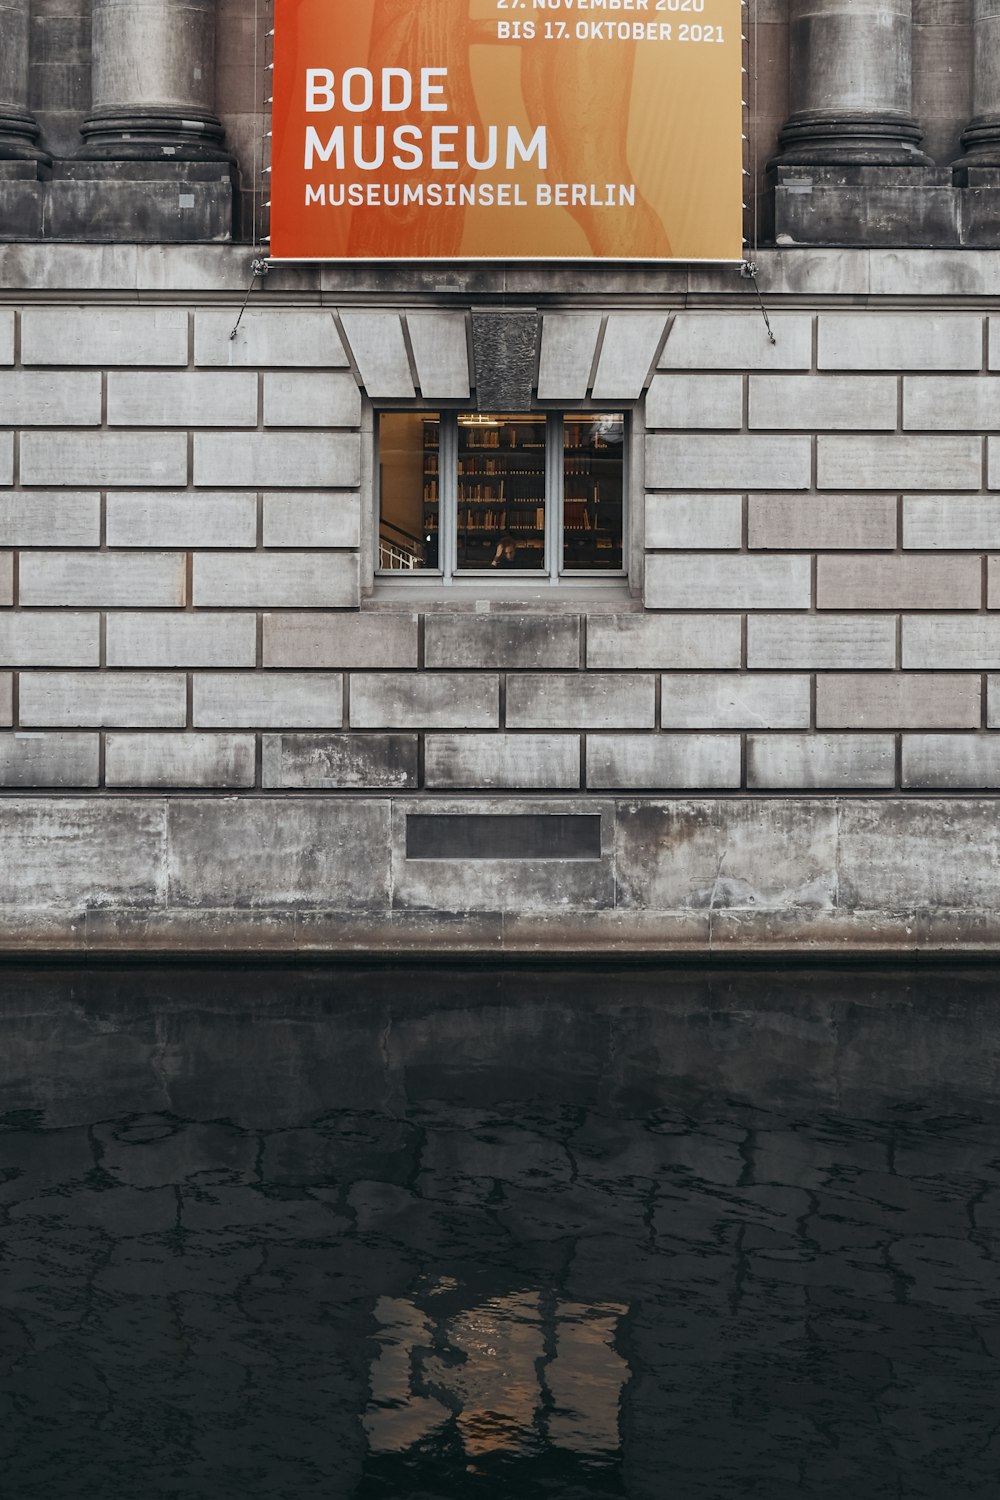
(593, 487)
(409, 489)
(501, 492)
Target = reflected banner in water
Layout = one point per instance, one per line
(436, 1235)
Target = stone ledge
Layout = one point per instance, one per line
(301, 876)
(36, 270)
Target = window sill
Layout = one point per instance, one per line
(508, 592)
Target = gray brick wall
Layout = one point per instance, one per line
(185, 525)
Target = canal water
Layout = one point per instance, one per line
(319, 1234)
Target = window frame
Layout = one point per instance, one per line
(553, 575)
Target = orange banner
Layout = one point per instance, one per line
(507, 129)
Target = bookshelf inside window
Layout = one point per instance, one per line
(501, 492)
(593, 491)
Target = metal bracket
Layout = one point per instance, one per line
(748, 272)
(259, 268)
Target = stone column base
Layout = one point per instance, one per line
(121, 202)
(881, 207)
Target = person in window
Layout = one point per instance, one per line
(506, 553)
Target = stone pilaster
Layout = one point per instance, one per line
(981, 138)
(154, 82)
(850, 69)
(18, 130)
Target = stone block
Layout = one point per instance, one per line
(181, 519)
(99, 459)
(700, 461)
(692, 401)
(6, 578)
(379, 349)
(103, 579)
(179, 760)
(322, 853)
(967, 762)
(898, 582)
(821, 523)
(143, 398)
(34, 638)
(440, 345)
(677, 856)
(104, 336)
(994, 342)
(899, 463)
(269, 460)
(917, 855)
(897, 700)
(807, 642)
(502, 641)
(374, 639)
(788, 761)
(428, 700)
(663, 762)
(80, 853)
(734, 700)
(992, 581)
(269, 339)
(270, 580)
(50, 398)
(6, 335)
(900, 341)
(824, 402)
(631, 340)
(44, 519)
(937, 522)
(6, 458)
(181, 640)
(630, 642)
(992, 705)
(569, 343)
(47, 760)
(693, 521)
(737, 341)
(6, 698)
(707, 581)
(581, 701)
(326, 519)
(308, 399)
(993, 463)
(132, 700)
(268, 700)
(527, 762)
(950, 403)
(964, 643)
(341, 762)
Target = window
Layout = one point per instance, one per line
(535, 493)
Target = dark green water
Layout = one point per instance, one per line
(329, 1235)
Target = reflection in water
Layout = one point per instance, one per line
(515, 1373)
(428, 1236)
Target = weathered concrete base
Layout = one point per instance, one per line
(120, 202)
(331, 876)
(883, 206)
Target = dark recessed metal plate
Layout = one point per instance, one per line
(503, 836)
